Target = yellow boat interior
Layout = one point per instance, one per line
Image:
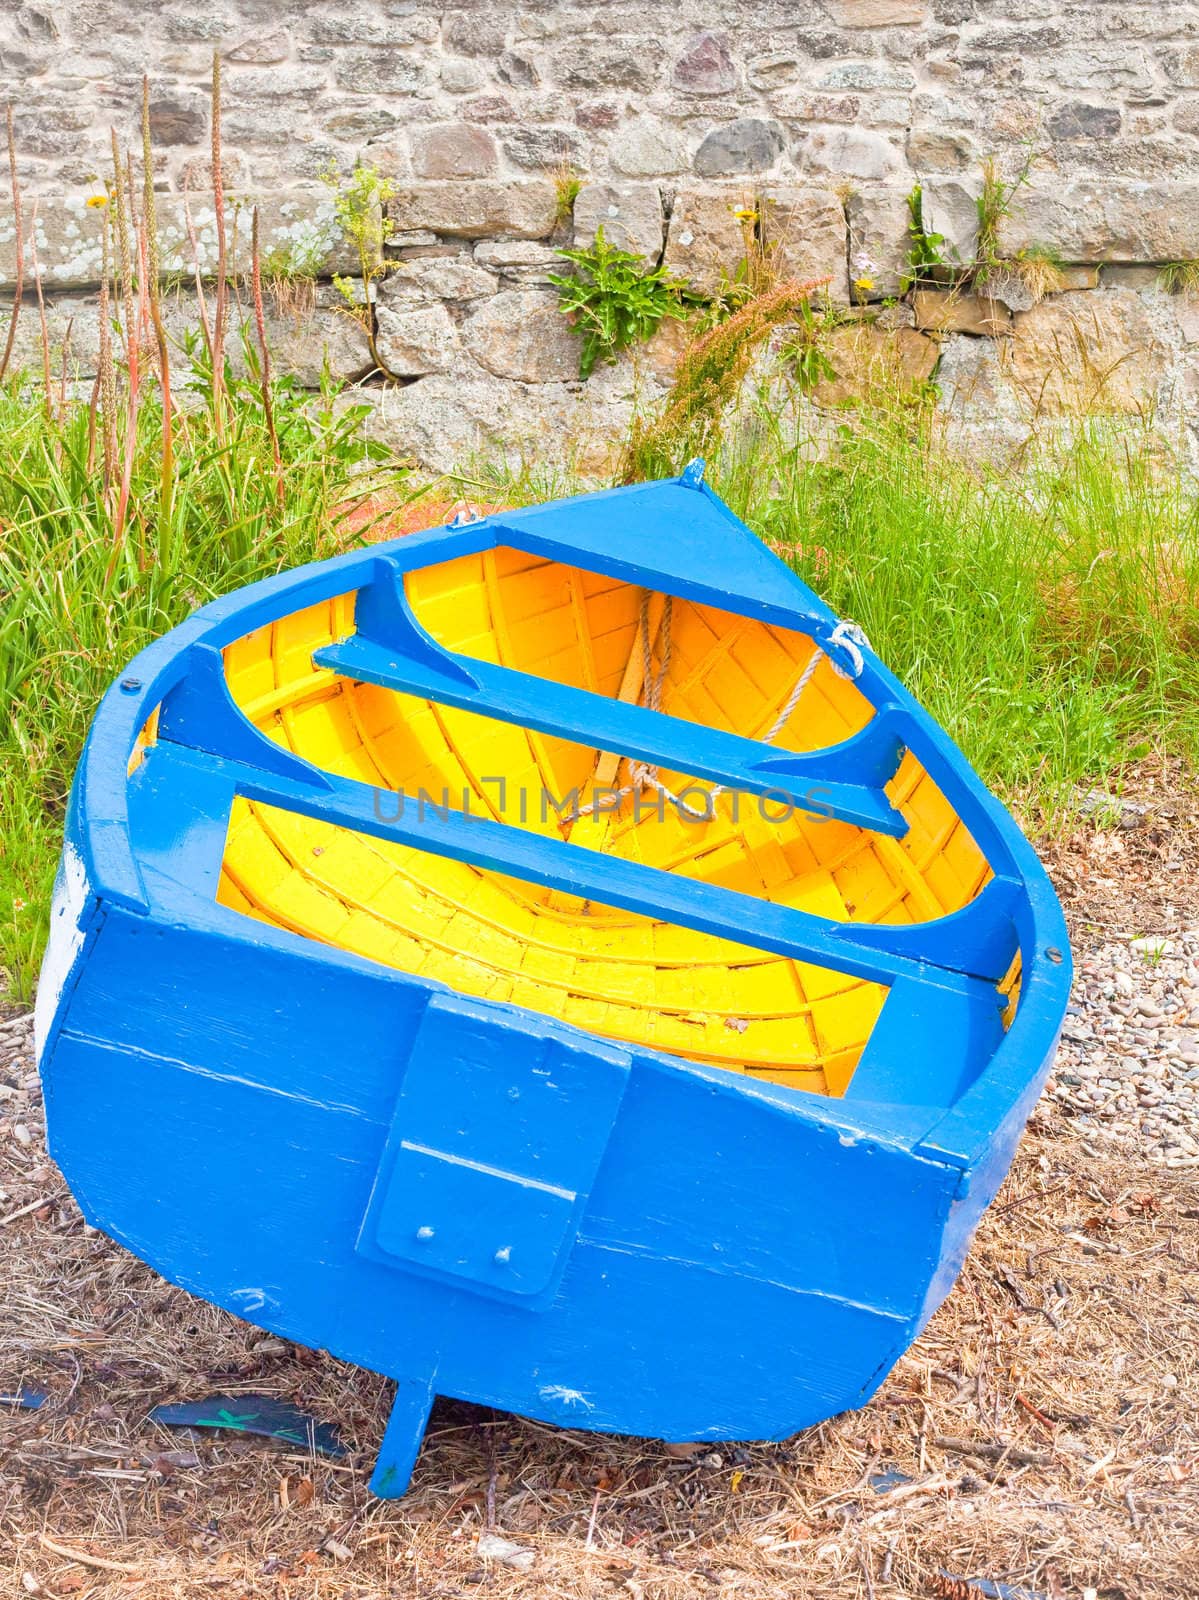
(627, 977)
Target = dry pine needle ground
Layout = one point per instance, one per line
(1044, 1425)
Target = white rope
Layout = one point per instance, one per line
(784, 716)
(853, 641)
(846, 635)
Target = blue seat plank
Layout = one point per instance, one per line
(841, 782)
(573, 869)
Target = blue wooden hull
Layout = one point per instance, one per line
(659, 1248)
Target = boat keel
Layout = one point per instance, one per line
(402, 1438)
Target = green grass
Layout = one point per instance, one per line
(71, 616)
(1047, 617)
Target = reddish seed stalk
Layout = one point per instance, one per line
(123, 197)
(220, 312)
(150, 229)
(264, 357)
(118, 205)
(106, 377)
(132, 409)
(19, 244)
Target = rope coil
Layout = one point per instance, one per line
(853, 641)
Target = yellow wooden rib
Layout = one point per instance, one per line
(624, 976)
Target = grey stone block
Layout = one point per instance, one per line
(428, 281)
(417, 341)
(705, 241)
(454, 150)
(478, 210)
(808, 228)
(644, 147)
(749, 144)
(880, 240)
(1107, 219)
(951, 209)
(521, 334)
(630, 215)
(849, 153)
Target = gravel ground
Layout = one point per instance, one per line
(1127, 1070)
(21, 1126)
(1128, 1065)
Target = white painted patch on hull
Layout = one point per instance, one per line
(67, 912)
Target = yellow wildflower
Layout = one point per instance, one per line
(745, 213)
(97, 202)
(18, 904)
(863, 285)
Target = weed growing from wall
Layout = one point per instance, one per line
(613, 300)
(360, 202)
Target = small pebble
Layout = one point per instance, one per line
(493, 1547)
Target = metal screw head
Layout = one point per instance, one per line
(424, 1234)
(503, 1256)
(1055, 955)
(131, 685)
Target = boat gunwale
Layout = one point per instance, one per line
(962, 1132)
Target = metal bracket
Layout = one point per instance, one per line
(498, 1133)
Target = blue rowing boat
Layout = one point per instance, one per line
(569, 971)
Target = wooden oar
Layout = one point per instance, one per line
(632, 683)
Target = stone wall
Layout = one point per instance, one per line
(817, 115)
